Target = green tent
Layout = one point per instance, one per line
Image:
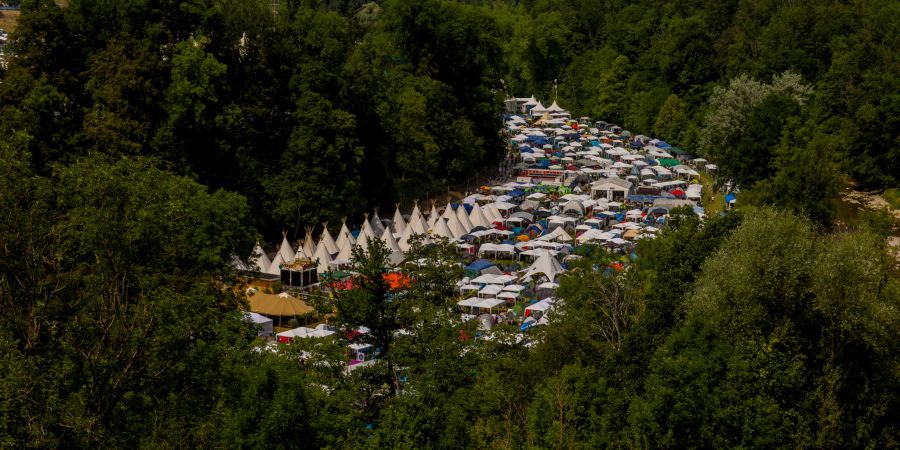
(668, 162)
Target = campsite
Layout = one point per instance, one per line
(449, 224)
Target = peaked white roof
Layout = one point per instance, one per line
(323, 257)
(275, 267)
(366, 230)
(432, 217)
(399, 223)
(488, 213)
(538, 108)
(345, 255)
(477, 217)
(416, 221)
(362, 241)
(545, 264)
(328, 241)
(447, 211)
(455, 227)
(495, 211)
(442, 230)
(377, 226)
(464, 218)
(260, 259)
(344, 239)
(555, 108)
(558, 234)
(286, 251)
(389, 240)
(309, 245)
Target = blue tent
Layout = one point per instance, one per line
(515, 193)
(475, 268)
(663, 144)
(730, 197)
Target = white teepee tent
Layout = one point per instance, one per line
(286, 251)
(455, 227)
(344, 239)
(366, 230)
(326, 240)
(323, 257)
(377, 226)
(399, 222)
(275, 267)
(478, 218)
(309, 245)
(441, 229)
(464, 218)
(544, 264)
(432, 217)
(259, 259)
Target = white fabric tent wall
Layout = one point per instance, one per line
(399, 222)
(328, 241)
(260, 259)
(275, 267)
(464, 218)
(455, 227)
(477, 218)
(309, 245)
(441, 229)
(545, 264)
(323, 257)
(344, 239)
(286, 251)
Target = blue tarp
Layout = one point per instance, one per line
(479, 265)
(663, 144)
(642, 198)
(516, 193)
(730, 197)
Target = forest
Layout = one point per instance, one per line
(146, 143)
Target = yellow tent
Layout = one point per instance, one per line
(278, 305)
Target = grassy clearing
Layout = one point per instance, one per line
(713, 202)
(892, 196)
(9, 20)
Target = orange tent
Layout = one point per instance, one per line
(396, 280)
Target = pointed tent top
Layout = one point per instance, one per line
(441, 229)
(325, 239)
(322, 258)
(286, 251)
(345, 256)
(309, 245)
(389, 240)
(464, 218)
(260, 259)
(377, 226)
(275, 267)
(416, 223)
(555, 108)
(545, 264)
(538, 109)
(455, 227)
(366, 229)
(495, 211)
(448, 210)
(477, 218)
(531, 102)
(399, 223)
(344, 239)
(432, 216)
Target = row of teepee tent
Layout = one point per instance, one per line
(329, 252)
